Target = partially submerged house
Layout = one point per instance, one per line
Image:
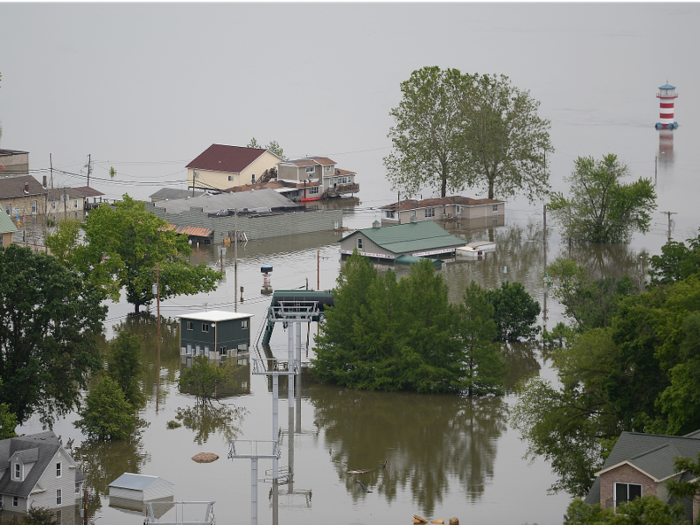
(220, 166)
(641, 464)
(454, 207)
(36, 470)
(247, 215)
(23, 197)
(317, 178)
(419, 239)
(131, 492)
(71, 203)
(214, 333)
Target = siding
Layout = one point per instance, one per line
(50, 482)
(266, 227)
(350, 243)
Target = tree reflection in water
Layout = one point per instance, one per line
(207, 418)
(521, 357)
(104, 461)
(430, 442)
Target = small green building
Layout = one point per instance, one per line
(214, 333)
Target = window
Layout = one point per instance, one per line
(205, 327)
(8, 208)
(222, 350)
(206, 350)
(430, 212)
(53, 205)
(189, 349)
(495, 207)
(15, 501)
(313, 190)
(77, 488)
(197, 350)
(230, 178)
(625, 492)
(35, 207)
(18, 471)
(242, 347)
(75, 203)
(190, 325)
(59, 497)
(58, 470)
(389, 214)
(310, 169)
(329, 167)
(75, 215)
(359, 243)
(244, 324)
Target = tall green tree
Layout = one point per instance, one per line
(275, 148)
(107, 415)
(454, 130)
(676, 262)
(601, 208)
(125, 368)
(514, 311)
(8, 421)
(48, 318)
(122, 246)
(485, 368)
(687, 486)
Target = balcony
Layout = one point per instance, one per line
(341, 189)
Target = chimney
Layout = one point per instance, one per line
(44, 184)
(26, 187)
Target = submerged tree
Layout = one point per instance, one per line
(106, 414)
(125, 368)
(601, 208)
(204, 378)
(454, 130)
(514, 311)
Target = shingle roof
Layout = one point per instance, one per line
(228, 201)
(86, 191)
(38, 449)
(6, 224)
(652, 453)
(311, 161)
(230, 159)
(11, 187)
(73, 193)
(414, 237)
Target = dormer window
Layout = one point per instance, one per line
(18, 471)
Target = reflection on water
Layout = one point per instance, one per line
(431, 444)
(606, 260)
(104, 461)
(206, 418)
(521, 357)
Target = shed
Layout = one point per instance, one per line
(214, 333)
(140, 487)
(419, 239)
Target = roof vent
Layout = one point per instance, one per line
(414, 219)
(376, 224)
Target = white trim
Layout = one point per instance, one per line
(434, 252)
(606, 470)
(368, 254)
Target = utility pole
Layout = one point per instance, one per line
(544, 248)
(89, 168)
(158, 342)
(51, 164)
(656, 167)
(64, 203)
(398, 206)
(669, 213)
(318, 269)
(85, 507)
(235, 258)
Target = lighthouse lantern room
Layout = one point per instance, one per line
(666, 95)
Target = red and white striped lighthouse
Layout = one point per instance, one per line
(666, 95)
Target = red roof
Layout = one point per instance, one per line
(231, 159)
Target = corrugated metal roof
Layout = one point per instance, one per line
(413, 237)
(194, 231)
(6, 224)
(214, 316)
(133, 481)
(228, 201)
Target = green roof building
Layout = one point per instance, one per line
(418, 239)
(7, 228)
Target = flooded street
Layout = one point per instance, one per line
(595, 68)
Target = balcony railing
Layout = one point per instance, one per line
(342, 189)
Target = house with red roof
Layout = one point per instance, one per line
(455, 207)
(220, 167)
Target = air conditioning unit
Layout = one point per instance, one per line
(232, 352)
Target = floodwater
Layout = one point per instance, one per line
(149, 103)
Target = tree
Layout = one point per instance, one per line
(124, 244)
(125, 368)
(514, 311)
(107, 415)
(254, 144)
(601, 208)
(687, 486)
(275, 148)
(48, 321)
(40, 516)
(64, 240)
(485, 368)
(647, 510)
(204, 377)
(676, 262)
(454, 130)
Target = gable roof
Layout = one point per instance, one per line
(230, 159)
(413, 237)
(650, 453)
(412, 204)
(73, 193)
(6, 224)
(11, 187)
(310, 161)
(38, 449)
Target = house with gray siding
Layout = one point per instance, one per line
(214, 333)
(319, 176)
(36, 470)
(454, 207)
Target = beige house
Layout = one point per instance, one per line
(641, 464)
(71, 203)
(441, 209)
(318, 177)
(24, 197)
(220, 167)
